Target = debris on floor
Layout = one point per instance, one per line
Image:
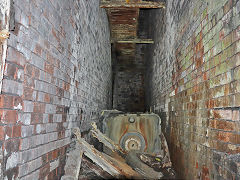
(113, 166)
(131, 161)
(89, 170)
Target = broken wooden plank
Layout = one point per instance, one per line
(105, 140)
(89, 169)
(95, 155)
(142, 168)
(134, 41)
(113, 166)
(141, 4)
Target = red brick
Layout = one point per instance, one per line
(47, 98)
(55, 154)
(228, 137)
(67, 86)
(11, 71)
(8, 116)
(49, 68)
(6, 101)
(28, 69)
(221, 124)
(39, 107)
(9, 131)
(17, 100)
(205, 173)
(17, 131)
(28, 93)
(2, 133)
(36, 118)
(38, 50)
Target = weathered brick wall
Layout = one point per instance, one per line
(128, 94)
(129, 74)
(57, 76)
(4, 26)
(194, 85)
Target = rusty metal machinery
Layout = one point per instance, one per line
(134, 146)
(133, 131)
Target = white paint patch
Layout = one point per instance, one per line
(12, 161)
(7, 137)
(19, 74)
(38, 128)
(232, 147)
(18, 107)
(54, 165)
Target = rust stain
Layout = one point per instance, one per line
(216, 115)
(205, 76)
(142, 128)
(124, 129)
(205, 173)
(121, 127)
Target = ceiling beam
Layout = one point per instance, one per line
(141, 4)
(136, 41)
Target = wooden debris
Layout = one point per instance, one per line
(157, 164)
(141, 4)
(105, 140)
(133, 160)
(89, 170)
(113, 166)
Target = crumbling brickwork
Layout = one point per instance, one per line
(194, 85)
(57, 76)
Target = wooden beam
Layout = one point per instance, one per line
(105, 140)
(136, 41)
(141, 4)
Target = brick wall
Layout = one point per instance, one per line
(57, 76)
(128, 94)
(129, 74)
(194, 85)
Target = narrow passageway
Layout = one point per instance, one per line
(166, 72)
